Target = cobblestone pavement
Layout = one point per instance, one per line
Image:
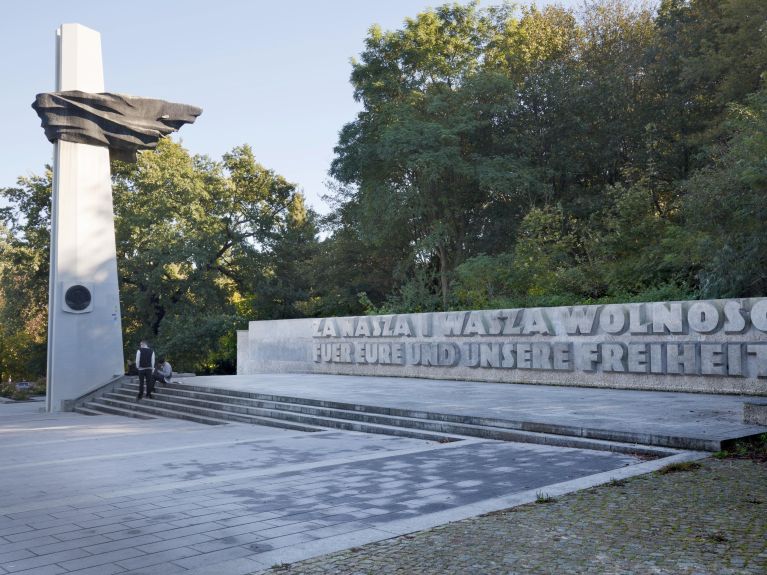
(709, 521)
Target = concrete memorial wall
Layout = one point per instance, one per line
(716, 346)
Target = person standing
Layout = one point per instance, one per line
(145, 366)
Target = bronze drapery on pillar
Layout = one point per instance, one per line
(124, 124)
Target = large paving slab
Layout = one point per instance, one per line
(629, 415)
(105, 494)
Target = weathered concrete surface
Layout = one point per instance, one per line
(104, 495)
(713, 346)
(706, 522)
(620, 415)
(755, 413)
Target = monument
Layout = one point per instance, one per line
(709, 346)
(86, 125)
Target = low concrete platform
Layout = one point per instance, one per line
(671, 419)
(86, 495)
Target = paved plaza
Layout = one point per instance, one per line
(106, 494)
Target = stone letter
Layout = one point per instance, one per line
(475, 324)
(637, 360)
(613, 319)
(712, 359)
(426, 326)
(667, 318)
(403, 327)
(384, 353)
(638, 323)
(363, 327)
(524, 360)
(681, 358)
(507, 355)
(429, 354)
(541, 356)
(760, 351)
(329, 329)
(759, 315)
(388, 323)
(703, 317)
(449, 354)
(452, 323)
(370, 353)
(346, 326)
(535, 321)
(613, 357)
(489, 355)
(579, 320)
(734, 322)
(734, 359)
(588, 356)
(470, 355)
(495, 322)
(562, 351)
(512, 326)
(397, 354)
(657, 358)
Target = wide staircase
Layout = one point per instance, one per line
(213, 406)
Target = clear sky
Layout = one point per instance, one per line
(274, 75)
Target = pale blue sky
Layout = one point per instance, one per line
(274, 75)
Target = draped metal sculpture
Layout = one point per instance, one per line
(124, 124)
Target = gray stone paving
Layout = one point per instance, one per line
(112, 495)
(696, 415)
(709, 521)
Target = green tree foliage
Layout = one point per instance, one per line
(24, 268)
(543, 155)
(726, 208)
(202, 246)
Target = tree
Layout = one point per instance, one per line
(196, 239)
(725, 207)
(426, 156)
(196, 242)
(24, 268)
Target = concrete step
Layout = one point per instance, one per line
(608, 435)
(359, 420)
(85, 411)
(139, 410)
(245, 414)
(157, 405)
(115, 410)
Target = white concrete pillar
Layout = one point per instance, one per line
(84, 337)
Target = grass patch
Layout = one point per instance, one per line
(754, 449)
(541, 497)
(679, 467)
(719, 537)
(616, 482)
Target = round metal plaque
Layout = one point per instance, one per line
(78, 297)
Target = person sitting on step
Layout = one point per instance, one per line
(163, 372)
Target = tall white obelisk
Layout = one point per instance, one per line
(84, 327)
